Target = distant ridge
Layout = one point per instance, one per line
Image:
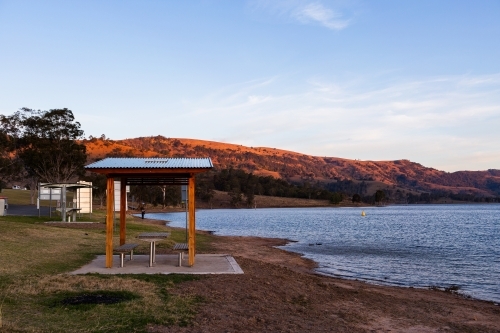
(294, 166)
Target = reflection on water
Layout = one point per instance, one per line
(417, 245)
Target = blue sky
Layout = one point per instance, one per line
(369, 80)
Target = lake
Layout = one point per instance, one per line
(414, 245)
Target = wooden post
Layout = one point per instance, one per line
(192, 223)
(110, 201)
(123, 210)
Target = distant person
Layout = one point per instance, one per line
(142, 209)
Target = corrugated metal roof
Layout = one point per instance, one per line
(152, 163)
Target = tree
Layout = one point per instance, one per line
(379, 196)
(163, 189)
(170, 195)
(205, 187)
(9, 161)
(99, 184)
(235, 195)
(250, 196)
(356, 198)
(47, 143)
(173, 195)
(336, 198)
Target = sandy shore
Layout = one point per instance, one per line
(280, 292)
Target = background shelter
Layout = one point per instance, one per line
(45, 193)
(148, 171)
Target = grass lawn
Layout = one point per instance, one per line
(37, 294)
(23, 197)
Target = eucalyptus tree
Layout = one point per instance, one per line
(47, 143)
(379, 196)
(9, 162)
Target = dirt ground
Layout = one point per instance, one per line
(279, 292)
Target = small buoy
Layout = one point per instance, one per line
(363, 213)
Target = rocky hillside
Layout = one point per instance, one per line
(299, 167)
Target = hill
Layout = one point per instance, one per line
(402, 175)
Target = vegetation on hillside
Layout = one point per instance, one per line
(295, 167)
(43, 146)
(243, 187)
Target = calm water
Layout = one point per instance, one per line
(418, 245)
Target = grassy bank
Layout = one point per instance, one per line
(223, 200)
(38, 295)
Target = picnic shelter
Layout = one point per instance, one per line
(148, 171)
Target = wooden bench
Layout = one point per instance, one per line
(125, 248)
(181, 247)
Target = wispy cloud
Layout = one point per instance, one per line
(436, 121)
(316, 12)
(305, 12)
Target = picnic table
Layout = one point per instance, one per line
(70, 212)
(152, 237)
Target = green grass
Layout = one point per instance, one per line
(35, 260)
(27, 219)
(23, 197)
(16, 197)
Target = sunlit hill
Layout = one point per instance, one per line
(295, 167)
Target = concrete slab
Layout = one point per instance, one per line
(165, 264)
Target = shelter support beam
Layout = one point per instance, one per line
(123, 210)
(192, 222)
(110, 200)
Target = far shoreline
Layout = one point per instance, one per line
(166, 210)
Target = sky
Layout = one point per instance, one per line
(367, 80)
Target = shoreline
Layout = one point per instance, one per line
(361, 206)
(471, 293)
(315, 271)
(280, 243)
(281, 291)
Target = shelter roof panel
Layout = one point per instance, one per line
(67, 185)
(152, 163)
